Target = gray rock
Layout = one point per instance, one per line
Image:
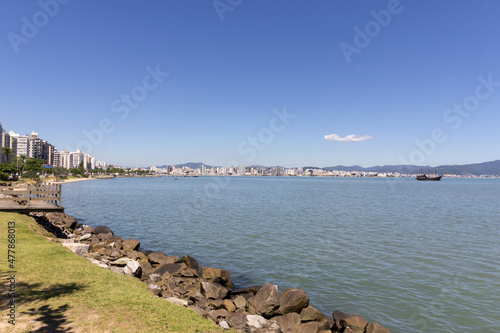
(161, 258)
(218, 315)
(172, 269)
(224, 325)
(289, 322)
(198, 299)
(177, 301)
(265, 302)
(200, 311)
(87, 229)
(155, 289)
(80, 249)
(85, 237)
(244, 291)
(256, 323)
(155, 277)
(133, 269)
(103, 230)
(240, 302)
(217, 275)
(213, 290)
(71, 225)
(237, 321)
(117, 269)
(121, 261)
(293, 300)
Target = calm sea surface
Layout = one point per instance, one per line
(413, 256)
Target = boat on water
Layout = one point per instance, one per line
(434, 177)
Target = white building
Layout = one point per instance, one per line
(65, 159)
(20, 143)
(101, 165)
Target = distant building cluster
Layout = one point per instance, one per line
(32, 146)
(243, 170)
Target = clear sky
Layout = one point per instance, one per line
(289, 83)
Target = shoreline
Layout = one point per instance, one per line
(207, 291)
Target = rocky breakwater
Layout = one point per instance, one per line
(206, 290)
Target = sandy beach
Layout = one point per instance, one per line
(72, 180)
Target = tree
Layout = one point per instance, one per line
(7, 168)
(22, 159)
(6, 153)
(34, 164)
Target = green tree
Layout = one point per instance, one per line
(6, 153)
(7, 168)
(34, 164)
(20, 162)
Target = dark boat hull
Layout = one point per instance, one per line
(424, 177)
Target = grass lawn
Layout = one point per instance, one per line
(57, 291)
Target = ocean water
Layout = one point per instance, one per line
(412, 256)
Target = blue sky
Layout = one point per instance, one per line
(85, 67)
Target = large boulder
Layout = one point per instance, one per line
(160, 258)
(229, 305)
(376, 328)
(293, 300)
(217, 275)
(245, 291)
(133, 269)
(356, 323)
(213, 290)
(172, 269)
(289, 322)
(240, 302)
(218, 315)
(311, 314)
(237, 321)
(337, 317)
(265, 302)
(103, 230)
(190, 262)
(314, 327)
(81, 249)
(258, 324)
(177, 301)
(122, 262)
(71, 225)
(131, 245)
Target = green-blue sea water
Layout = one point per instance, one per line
(412, 256)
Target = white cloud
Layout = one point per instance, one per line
(349, 138)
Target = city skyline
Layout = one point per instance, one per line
(255, 83)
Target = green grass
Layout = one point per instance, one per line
(61, 292)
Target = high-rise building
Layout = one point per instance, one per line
(4, 143)
(65, 159)
(19, 143)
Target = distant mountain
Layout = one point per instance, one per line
(486, 168)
